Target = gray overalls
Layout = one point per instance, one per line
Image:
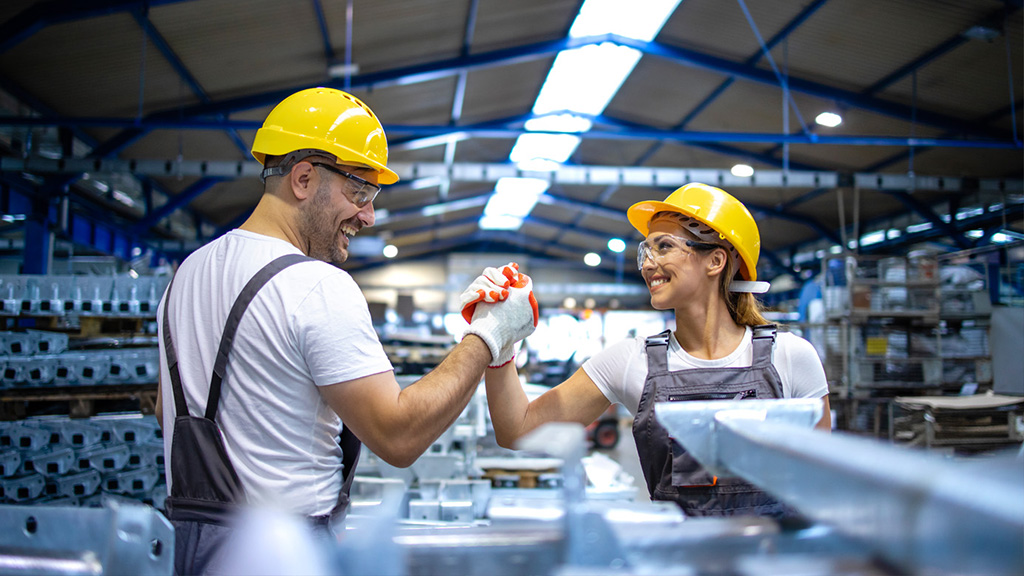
(671, 473)
(205, 489)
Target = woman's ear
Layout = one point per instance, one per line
(717, 262)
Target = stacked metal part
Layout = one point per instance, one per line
(60, 295)
(37, 359)
(60, 461)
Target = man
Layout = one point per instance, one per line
(305, 353)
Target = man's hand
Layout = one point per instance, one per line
(491, 286)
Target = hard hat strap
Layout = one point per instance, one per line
(290, 160)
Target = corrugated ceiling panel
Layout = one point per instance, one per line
(502, 24)
(93, 67)
(274, 46)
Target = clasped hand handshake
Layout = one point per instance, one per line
(501, 309)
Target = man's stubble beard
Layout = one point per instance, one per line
(318, 230)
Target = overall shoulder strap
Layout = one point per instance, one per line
(764, 343)
(657, 352)
(235, 317)
(180, 406)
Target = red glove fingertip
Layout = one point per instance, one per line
(467, 312)
(536, 309)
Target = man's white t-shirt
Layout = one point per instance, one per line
(621, 369)
(309, 326)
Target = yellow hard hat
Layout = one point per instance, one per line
(329, 120)
(717, 209)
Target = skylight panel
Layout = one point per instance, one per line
(641, 20)
(585, 79)
(582, 81)
(513, 199)
(555, 147)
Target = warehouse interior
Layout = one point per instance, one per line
(877, 144)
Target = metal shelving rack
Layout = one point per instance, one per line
(896, 327)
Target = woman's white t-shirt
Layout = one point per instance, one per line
(621, 369)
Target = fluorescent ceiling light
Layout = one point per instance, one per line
(585, 79)
(558, 123)
(342, 70)
(742, 171)
(500, 222)
(513, 199)
(829, 119)
(521, 186)
(872, 238)
(642, 20)
(919, 227)
(556, 147)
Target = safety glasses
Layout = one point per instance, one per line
(362, 193)
(667, 246)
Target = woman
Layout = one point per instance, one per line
(698, 259)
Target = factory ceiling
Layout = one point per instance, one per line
(125, 126)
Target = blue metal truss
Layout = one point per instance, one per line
(41, 15)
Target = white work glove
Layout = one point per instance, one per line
(500, 325)
(491, 286)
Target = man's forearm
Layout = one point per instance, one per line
(435, 401)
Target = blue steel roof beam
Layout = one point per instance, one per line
(463, 203)
(175, 202)
(458, 99)
(883, 164)
(418, 73)
(422, 131)
(398, 76)
(921, 61)
(784, 206)
(892, 245)
(446, 68)
(42, 14)
(938, 51)
(795, 218)
(781, 35)
(712, 146)
(325, 35)
(957, 226)
(172, 58)
(706, 61)
(928, 214)
(434, 226)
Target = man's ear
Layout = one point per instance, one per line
(301, 179)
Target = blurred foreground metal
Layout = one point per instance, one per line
(120, 538)
(875, 509)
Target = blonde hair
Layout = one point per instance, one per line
(744, 308)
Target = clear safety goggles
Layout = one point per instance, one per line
(361, 193)
(667, 246)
